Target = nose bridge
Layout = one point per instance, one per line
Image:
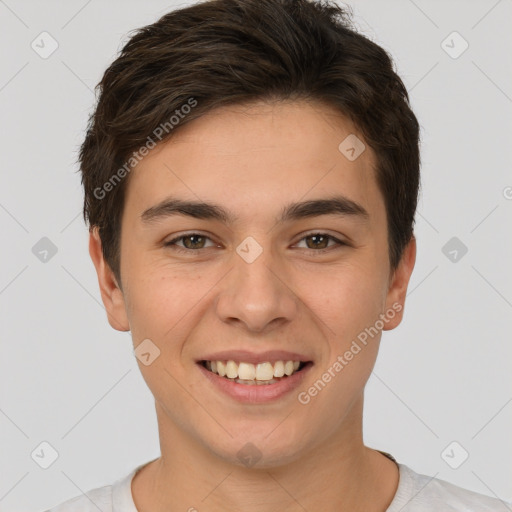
(254, 292)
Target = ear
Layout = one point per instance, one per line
(395, 299)
(111, 294)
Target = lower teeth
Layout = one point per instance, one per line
(254, 382)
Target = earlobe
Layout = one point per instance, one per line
(111, 294)
(395, 300)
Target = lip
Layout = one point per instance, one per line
(256, 394)
(245, 356)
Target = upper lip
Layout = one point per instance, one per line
(245, 356)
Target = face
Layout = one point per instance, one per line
(287, 261)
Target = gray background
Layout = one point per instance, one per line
(443, 375)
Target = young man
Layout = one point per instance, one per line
(251, 176)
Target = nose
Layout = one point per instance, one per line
(256, 293)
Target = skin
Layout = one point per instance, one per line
(253, 160)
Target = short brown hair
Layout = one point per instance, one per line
(224, 52)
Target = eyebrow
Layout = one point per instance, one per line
(337, 205)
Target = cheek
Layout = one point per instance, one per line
(165, 301)
(346, 297)
(349, 307)
(156, 299)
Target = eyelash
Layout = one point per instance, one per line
(171, 243)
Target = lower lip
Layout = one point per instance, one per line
(256, 394)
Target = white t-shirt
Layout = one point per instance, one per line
(415, 493)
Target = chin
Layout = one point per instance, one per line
(257, 448)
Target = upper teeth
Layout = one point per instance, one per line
(249, 371)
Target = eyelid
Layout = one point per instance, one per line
(325, 232)
(177, 238)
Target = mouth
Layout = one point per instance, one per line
(259, 374)
(263, 380)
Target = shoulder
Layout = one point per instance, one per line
(99, 498)
(422, 493)
(116, 497)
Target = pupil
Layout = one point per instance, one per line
(193, 243)
(316, 237)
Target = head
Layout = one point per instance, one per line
(247, 108)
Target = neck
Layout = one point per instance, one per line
(338, 474)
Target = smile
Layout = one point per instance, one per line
(255, 383)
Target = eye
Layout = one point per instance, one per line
(191, 242)
(319, 242)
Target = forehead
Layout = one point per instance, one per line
(256, 158)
